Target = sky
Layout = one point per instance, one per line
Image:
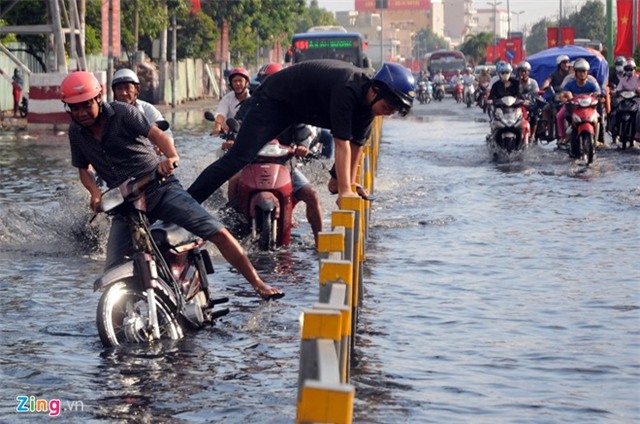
(534, 10)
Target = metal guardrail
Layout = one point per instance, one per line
(329, 327)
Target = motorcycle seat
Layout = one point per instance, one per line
(170, 235)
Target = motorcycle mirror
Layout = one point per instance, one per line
(233, 125)
(163, 125)
(302, 132)
(209, 116)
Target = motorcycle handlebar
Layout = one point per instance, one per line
(130, 189)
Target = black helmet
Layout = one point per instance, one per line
(396, 83)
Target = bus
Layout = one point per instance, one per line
(328, 43)
(447, 61)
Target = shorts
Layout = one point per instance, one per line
(298, 180)
(171, 203)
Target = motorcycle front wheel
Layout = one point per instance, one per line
(588, 147)
(268, 231)
(123, 315)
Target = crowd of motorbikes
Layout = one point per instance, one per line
(518, 122)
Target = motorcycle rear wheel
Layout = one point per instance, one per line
(122, 315)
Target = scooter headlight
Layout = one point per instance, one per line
(273, 151)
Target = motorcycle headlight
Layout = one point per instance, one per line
(273, 151)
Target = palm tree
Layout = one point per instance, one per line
(475, 46)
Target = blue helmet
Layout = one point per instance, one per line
(396, 83)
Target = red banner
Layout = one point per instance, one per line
(624, 42)
(196, 5)
(370, 5)
(567, 35)
(489, 54)
(115, 27)
(552, 37)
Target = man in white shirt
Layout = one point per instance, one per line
(126, 87)
(239, 79)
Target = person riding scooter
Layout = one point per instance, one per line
(581, 85)
(302, 188)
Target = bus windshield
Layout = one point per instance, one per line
(347, 47)
(447, 64)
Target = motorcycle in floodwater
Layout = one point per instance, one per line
(439, 92)
(458, 90)
(546, 129)
(583, 129)
(264, 193)
(507, 128)
(424, 91)
(163, 289)
(625, 118)
(482, 94)
(469, 93)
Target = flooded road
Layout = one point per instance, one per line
(493, 292)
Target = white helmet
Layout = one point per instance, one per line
(581, 65)
(124, 75)
(562, 58)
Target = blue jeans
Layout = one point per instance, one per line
(170, 203)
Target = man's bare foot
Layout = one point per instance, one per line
(267, 292)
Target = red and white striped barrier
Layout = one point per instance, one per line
(45, 108)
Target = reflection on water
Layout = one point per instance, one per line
(494, 293)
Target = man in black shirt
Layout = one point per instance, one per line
(112, 138)
(325, 93)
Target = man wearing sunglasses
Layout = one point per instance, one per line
(111, 137)
(326, 93)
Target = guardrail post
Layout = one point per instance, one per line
(333, 273)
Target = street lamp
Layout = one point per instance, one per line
(518, 17)
(495, 23)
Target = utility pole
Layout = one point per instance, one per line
(110, 56)
(495, 25)
(174, 60)
(560, 25)
(58, 38)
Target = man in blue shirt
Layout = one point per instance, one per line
(580, 85)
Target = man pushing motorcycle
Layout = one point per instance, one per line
(110, 137)
(326, 93)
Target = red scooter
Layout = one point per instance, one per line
(264, 193)
(584, 124)
(458, 89)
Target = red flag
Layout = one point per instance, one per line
(624, 43)
(196, 5)
(489, 54)
(567, 35)
(552, 37)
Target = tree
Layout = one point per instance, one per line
(426, 41)
(313, 16)
(537, 38)
(475, 46)
(254, 23)
(590, 21)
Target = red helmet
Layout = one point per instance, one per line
(268, 69)
(79, 87)
(239, 71)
